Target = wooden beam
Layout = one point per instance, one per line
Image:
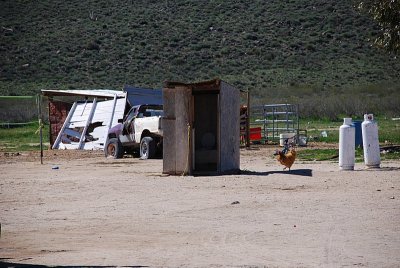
(88, 121)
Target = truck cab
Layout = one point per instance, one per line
(139, 131)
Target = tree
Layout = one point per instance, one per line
(387, 14)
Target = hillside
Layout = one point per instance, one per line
(281, 50)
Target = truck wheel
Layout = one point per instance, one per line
(147, 148)
(114, 149)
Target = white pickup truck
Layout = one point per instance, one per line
(140, 131)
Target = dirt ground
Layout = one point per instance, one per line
(80, 209)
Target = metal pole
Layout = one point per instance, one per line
(248, 120)
(298, 123)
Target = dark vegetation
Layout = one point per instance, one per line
(318, 54)
(387, 14)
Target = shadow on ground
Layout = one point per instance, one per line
(298, 172)
(18, 265)
(387, 169)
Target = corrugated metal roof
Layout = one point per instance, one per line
(80, 92)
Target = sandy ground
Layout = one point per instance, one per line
(93, 211)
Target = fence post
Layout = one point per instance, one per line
(248, 121)
(39, 106)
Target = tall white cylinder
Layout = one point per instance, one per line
(347, 145)
(372, 157)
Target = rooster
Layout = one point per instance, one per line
(287, 156)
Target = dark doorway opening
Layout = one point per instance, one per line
(206, 135)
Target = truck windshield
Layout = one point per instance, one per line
(150, 110)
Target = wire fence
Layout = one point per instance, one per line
(18, 111)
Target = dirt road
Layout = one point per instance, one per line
(94, 211)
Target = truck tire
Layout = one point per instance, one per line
(147, 148)
(114, 149)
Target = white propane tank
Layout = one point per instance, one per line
(347, 145)
(372, 158)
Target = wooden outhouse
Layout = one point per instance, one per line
(201, 128)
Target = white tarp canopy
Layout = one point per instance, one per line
(94, 119)
(87, 124)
